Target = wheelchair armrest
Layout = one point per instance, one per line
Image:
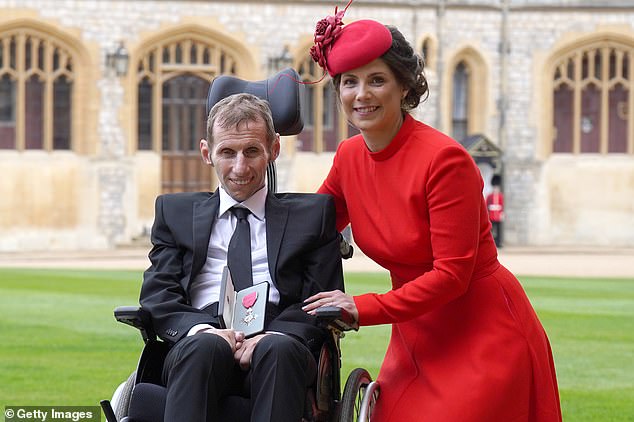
(136, 317)
(336, 318)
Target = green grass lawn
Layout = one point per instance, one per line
(60, 344)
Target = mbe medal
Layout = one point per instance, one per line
(248, 301)
(250, 309)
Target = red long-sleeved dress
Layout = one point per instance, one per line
(466, 344)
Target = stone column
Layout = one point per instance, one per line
(113, 173)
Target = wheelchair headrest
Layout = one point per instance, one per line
(281, 91)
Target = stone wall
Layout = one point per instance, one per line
(115, 201)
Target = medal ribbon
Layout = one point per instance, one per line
(250, 299)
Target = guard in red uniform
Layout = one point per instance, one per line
(495, 205)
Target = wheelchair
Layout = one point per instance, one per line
(141, 398)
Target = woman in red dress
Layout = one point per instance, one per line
(466, 344)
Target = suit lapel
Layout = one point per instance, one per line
(276, 218)
(205, 213)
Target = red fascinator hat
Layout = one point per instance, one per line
(340, 48)
(358, 44)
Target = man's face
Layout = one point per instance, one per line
(240, 156)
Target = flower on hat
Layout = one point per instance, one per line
(326, 31)
(357, 44)
(340, 48)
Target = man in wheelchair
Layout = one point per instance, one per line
(294, 247)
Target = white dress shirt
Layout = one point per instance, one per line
(205, 288)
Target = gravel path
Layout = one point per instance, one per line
(544, 261)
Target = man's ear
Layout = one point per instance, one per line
(275, 148)
(205, 152)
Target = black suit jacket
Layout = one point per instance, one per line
(303, 254)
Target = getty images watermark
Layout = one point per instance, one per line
(52, 413)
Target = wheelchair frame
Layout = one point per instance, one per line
(327, 403)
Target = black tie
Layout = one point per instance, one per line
(239, 252)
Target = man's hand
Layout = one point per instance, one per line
(244, 354)
(234, 338)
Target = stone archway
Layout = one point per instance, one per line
(173, 71)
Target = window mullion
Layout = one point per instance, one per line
(186, 48)
(318, 118)
(200, 50)
(5, 53)
(172, 53)
(47, 143)
(605, 91)
(342, 130)
(630, 103)
(215, 61)
(20, 115)
(576, 126)
(157, 100)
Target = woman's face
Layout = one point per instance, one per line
(371, 98)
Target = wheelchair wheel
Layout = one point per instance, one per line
(359, 396)
(121, 398)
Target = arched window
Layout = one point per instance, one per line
(37, 79)
(173, 78)
(324, 124)
(593, 100)
(425, 50)
(428, 51)
(460, 105)
(465, 94)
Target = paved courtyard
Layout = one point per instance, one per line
(548, 261)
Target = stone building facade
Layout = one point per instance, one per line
(84, 150)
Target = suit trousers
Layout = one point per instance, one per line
(200, 373)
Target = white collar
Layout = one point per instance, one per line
(255, 203)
